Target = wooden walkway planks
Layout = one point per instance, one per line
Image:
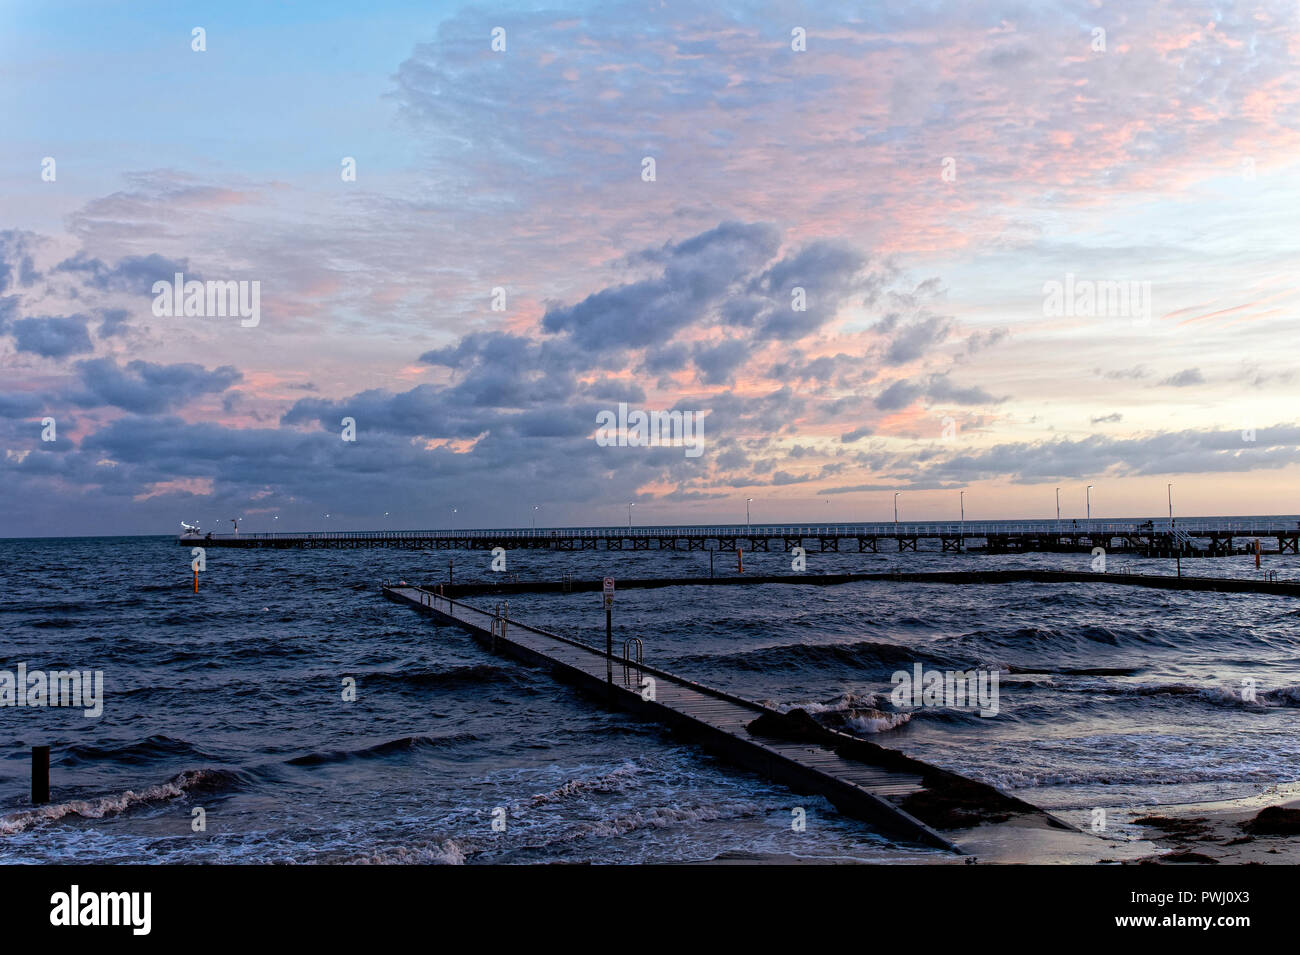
(715, 719)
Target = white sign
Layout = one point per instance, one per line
(609, 585)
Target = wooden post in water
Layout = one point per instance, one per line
(710, 563)
(196, 581)
(40, 775)
(740, 560)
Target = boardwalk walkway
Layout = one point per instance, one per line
(860, 778)
(1157, 537)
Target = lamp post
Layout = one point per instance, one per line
(747, 500)
(961, 534)
(1058, 505)
(896, 493)
(630, 505)
(1089, 493)
(535, 507)
(1178, 550)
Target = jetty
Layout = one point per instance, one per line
(1155, 537)
(1267, 583)
(901, 796)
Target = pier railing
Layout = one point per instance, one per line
(1192, 527)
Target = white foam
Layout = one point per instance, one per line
(610, 782)
(101, 807)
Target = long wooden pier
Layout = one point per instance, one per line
(568, 584)
(1159, 537)
(882, 786)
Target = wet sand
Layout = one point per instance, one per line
(1259, 830)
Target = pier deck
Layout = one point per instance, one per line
(1192, 537)
(719, 721)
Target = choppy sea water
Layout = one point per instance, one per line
(231, 701)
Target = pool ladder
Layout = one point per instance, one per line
(500, 621)
(633, 650)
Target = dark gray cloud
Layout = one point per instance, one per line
(939, 388)
(827, 272)
(725, 276)
(913, 339)
(145, 387)
(133, 273)
(942, 389)
(1185, 378)
(899, 394)
(717, 364)
(18, 404)
(52, 337)
(697, 273)
(112, 322)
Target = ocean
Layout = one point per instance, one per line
(231, 701)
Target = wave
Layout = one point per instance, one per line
(859, 713)
(449, 852)
(858, 655)
(189, 781)
(1132, 774)
(1282, 696)
(474, 675)
(457, 851)
(1075, 671)
(660, 817)
(407, 744)
(610, 782)
(133, 753)
(1287, 696)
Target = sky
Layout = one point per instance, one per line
(924, 248)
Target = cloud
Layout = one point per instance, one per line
(911, 340)
(146, 387)
(696, 275)
(1185, 378)
(1030, 462)
(17, 404)
(1131, 374)
(899, 394)
(56, 337)
(17, 263)
(133, 273)
(939, 388)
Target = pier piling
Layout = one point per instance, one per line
(40, 775)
